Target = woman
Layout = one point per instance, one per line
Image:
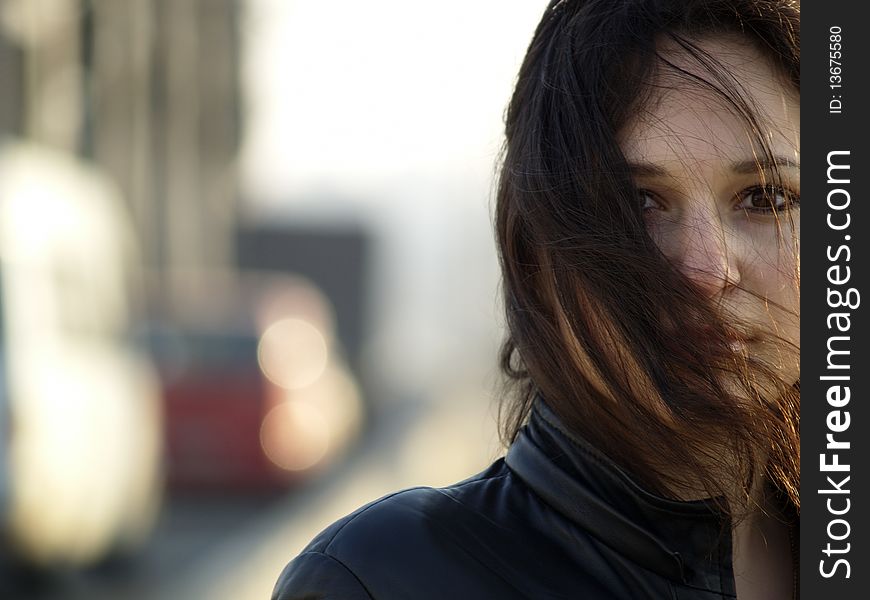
(648, 223)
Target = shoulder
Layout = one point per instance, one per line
(398, 538)
(315, 574)
(396, 522)
(409, 510)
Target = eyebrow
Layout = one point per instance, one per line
(748, 167)
(744, 167)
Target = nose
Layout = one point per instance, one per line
(707, 258)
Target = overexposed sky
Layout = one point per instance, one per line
(349, 97)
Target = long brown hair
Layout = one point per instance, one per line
(592, 305)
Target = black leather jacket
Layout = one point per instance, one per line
(553, 519)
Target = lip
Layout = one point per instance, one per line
(738, 341)
(736, 336)
(739, 346)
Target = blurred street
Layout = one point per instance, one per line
(221, 547)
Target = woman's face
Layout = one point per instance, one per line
(708, 204)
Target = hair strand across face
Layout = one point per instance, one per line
(601, 323)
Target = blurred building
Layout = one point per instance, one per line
(148, 91)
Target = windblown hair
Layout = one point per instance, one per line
(601, 324)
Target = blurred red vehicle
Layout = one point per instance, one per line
(261, 398)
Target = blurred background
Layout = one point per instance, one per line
(248, 281)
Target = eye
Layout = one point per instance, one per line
(767, 199)
(648, 200)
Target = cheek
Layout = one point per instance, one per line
(776, 278)
(664, 231)
(774, 275)
(775, 258)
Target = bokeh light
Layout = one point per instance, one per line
(336, 396)
(292, 353)
(295, 435)
(285, 295)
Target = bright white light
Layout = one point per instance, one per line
(86, 419)
(292, 353)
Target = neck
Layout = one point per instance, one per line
(762, 544)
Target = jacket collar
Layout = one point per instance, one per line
(684, 541)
